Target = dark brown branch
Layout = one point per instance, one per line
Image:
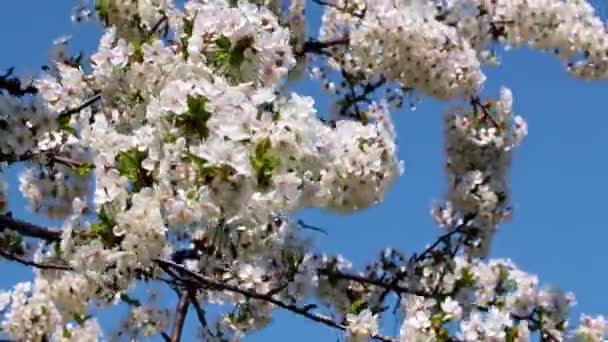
(370, 281)
(180, 316)
(29, 229)
(214, 284)
(200, 313)
(444, 238)
(85, 104)
(12, 85)
(476, 103)
(23, 261)
(317, 46)
(158, 24)
(52, 158)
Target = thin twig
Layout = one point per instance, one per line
(443, 238)
(476, 103)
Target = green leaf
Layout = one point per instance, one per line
(129, 165)
(467, 279)
(64, 125)
(83, 169)
(15, 240)
(199, 163)
(206, 173)
(438, 318)
(223, 43)
(196, 107)
(357, 306)
(103, 229)
(57, 248)
(510, 334)
(264, 162)
(138, 54)
(80, 319)
(103, 9)
(194, 122)
(192, 194)
(228, 58)
(442, 334)
(170, 137)
(188, 27)
(99, 229)
(503, 273)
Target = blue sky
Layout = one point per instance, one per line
(558, 183)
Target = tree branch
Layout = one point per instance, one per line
(29, 229)
(476, 103)
(200, 313)
(26, 262)
(364, 280)
(317, 46)
(85, 104)
(214, 284)
(180, 316)
(12, 85)
(445, 237)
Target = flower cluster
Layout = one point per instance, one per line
(23, 123)
(479, 145)
(32, 313)
(247, 44)
(408, 45)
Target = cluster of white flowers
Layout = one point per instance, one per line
(479, 145)
(591, 329)
(571, 29)
(23, 123)
(200, 155)
(145, 321)
(248, 41)
(361, 326)
(489, 300)
(37, 311)
(404, 42)
(133, 18)
(52, 191)
(437, 47)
